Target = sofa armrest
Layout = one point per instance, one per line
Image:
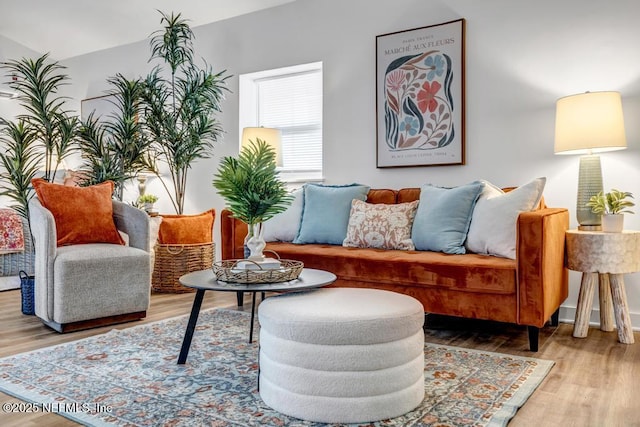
(134, 222)
(43, 230)
(540, 254)
(232, 235)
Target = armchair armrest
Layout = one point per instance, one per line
(134, 222)
(43, 230)
(540, 254)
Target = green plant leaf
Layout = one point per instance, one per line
(250, 184)
(613, 202)
(179, 110)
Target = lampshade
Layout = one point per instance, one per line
(271, 136)
(590, 122)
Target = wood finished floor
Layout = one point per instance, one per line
(595, 381)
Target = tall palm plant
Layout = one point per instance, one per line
(180, 106)
(37, 83)
(20, 161)
(115, 147)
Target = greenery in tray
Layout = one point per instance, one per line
(613, 202)
(250, 184)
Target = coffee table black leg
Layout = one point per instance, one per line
(253, 314)
(191, 326)
(240, 298)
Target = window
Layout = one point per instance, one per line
(289, 99)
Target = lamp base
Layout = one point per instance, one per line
(590, 227)
(589, 184)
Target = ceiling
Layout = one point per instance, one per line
(68, 28)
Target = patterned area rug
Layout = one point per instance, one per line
(130, 378)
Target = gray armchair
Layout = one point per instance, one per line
(84, 286)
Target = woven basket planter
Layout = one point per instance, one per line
(174, 261)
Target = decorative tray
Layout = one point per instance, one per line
(228, 271)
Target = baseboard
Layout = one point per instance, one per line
(9, 282)
(568, 315)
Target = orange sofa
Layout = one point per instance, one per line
(525, 291)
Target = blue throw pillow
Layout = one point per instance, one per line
(325, 213)
(443, 217)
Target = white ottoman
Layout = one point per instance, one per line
(342, 355)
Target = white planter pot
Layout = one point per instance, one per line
(256, 243)
(612, 223)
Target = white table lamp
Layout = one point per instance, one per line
(589, 123)
(271, 136)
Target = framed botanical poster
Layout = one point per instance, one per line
(420, 96)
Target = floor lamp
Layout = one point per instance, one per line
(587, 124)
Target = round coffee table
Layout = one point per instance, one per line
(204, 280)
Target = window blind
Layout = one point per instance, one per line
(293, 104)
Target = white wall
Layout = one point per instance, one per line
(9, 108)
(520, 57)
(10, 49)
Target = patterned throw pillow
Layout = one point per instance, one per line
(380, 225)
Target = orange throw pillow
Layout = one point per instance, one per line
(82, 214)
(187, 229)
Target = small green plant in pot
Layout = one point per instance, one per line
(147, 200)
(612, 206)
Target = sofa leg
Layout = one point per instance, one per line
(240, 298)
(555, 318)
(533, 337)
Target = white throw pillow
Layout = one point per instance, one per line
(283, 227)
(493, 223)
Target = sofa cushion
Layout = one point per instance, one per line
(83, 291)
(470, 272)
(443, 217)
(82, 214)
(384, 226)
(382, 195)
(325, 213)
(408, 194)
(493, 223)
(284, 226)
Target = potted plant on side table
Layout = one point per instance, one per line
(611, 206)
(147, 200)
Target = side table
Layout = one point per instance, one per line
(603, 258)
